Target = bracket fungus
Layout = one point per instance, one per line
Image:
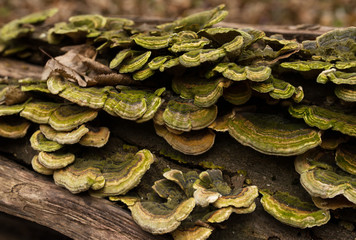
(323, 118)
(314, 158)
(322, 178)
(21, 29)
(346, 92)
(158, 61)
(196, 232)
(332, 139)
(199, 225)
(68, 117)
(153, 42)
(36, 87)
(38, 167)
(64, 137)
(78, 179)
(95, 137)
(345, 158)
(187, 76)
(39, 112)
(263, 87)
(269, 50)
(143, 73)
(211, 188)
(128, 103)
(333, 45)
(83, 26)
(263, 132)
(40, 143)
(292, 211)
(182, 41)
(337, 77)
(238, 93)
(303, 66)
(337, 202)
(222, 35)
(345, 64)
(133, 104)
(161, 217)
(284, 90)
(204, 92)
(186, 42)
(107, 174)
(190, 143)
(242, 199)
(135, 63)
(328, 184)
(87, 97)
(61, 117)
(121, 56)
(196, 21)
(195, 57)
(12, 109)
(13, 127)
(180, 214)
(235, 72)
(48, 141)
(55, 160)
(185, 116)
(114, 38)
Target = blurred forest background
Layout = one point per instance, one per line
(276, 12)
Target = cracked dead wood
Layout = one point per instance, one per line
(31, 196)
(28, 195)
(10, 68)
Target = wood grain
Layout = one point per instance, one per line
(11, 68)
(28, 195)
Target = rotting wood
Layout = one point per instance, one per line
(11, 68)
(36, 198)
(17, 69)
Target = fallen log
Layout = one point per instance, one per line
(28, 195)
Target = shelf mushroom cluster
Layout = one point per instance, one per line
(190, 80)
(194, 202)
(64, 125)
(329, 175)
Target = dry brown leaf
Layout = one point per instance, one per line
(83, 69)
(69, 66)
